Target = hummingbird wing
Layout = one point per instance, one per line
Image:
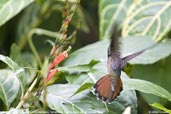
(125, 60)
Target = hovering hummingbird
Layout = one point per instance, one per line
(109, 87)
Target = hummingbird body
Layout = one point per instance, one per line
(109, 87)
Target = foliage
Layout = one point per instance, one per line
(39, 66)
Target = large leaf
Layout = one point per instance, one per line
(88, 53)
(129, 84)
(9, 86)
(19, 72)
(96, 72)
(59, 98)
(149, 18)
(158, 73)
(2, 2)
(138, 17)
(129, 45)
(11, 8)
(30, 65)
(14, 66)
(146, 87)
(110, 12)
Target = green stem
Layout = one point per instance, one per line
(34, 50)
(20, 104)
(42, 14)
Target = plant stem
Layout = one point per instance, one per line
(20, 104)
(42, 14)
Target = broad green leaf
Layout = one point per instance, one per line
(161, 107)
(129, 45)
(97, 71)
(9, 86)
(158, 73)
(141, 17)
(14, 66)
(30, 65)
(111, 12)
(148, 18)
(75, 69)
(88, 53)
(59, 97)
(152, 55)
(2, 2)
(146, 87)
(11, 8)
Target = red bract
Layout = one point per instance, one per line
(51, 74)
(58, 59)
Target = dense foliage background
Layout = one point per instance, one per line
(34, 32)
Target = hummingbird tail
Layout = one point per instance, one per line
(105, 90)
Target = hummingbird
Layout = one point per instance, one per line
(109, 86)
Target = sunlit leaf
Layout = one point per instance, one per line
(129, 45)
(146, 87)
(157, 73)
(111, 12)
(126, 98)
(14, 66)
(11, 8)
(30, 65)
(59, 98)
(85, 55)
(141, 17)
(161, 107)
(9, 86)
(75, 69)
(148, 18)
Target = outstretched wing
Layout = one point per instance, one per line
(125, 60)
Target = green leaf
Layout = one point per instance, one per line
(129, 45)
(161, 107)
(151, 55)
(2, 2)
(88, 53)
(9, 86)
(58, 98)
(75, 69)
(83, 87)
(146, 87)
(11, 8)
(14, 66)
(127, 97)
(158, 73)
(148, 18)
(30, 65)
(110, 12)
(137, 17)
